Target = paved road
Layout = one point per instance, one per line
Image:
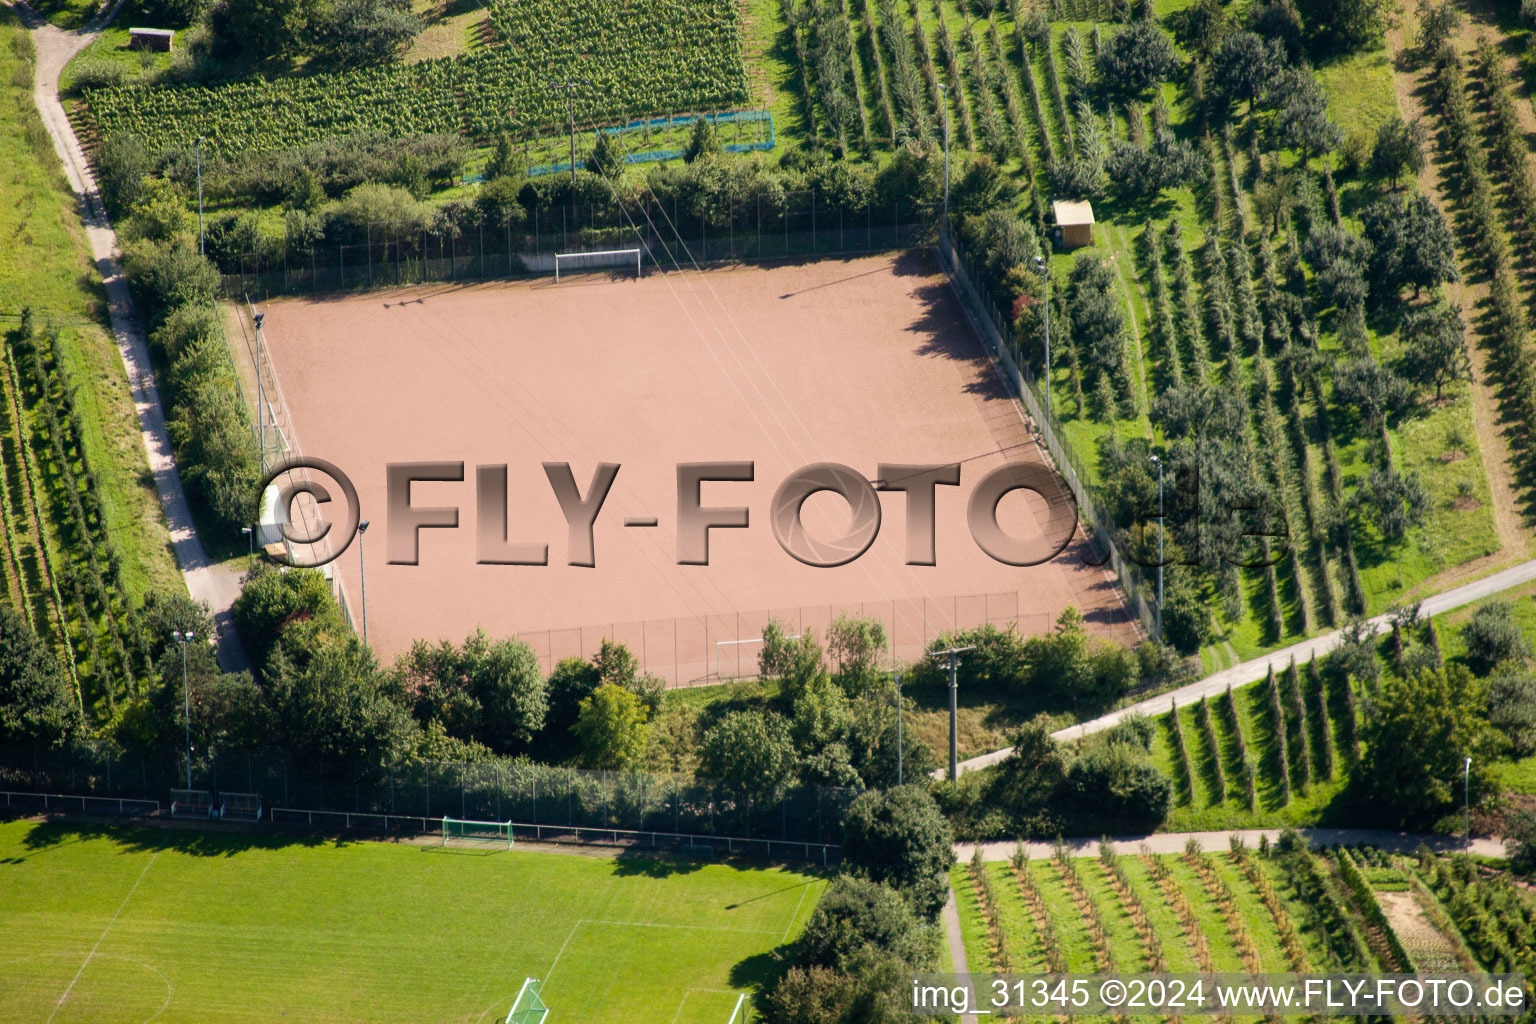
(957, 959)
(1255, 670)
(215, 586)
(1215, 842)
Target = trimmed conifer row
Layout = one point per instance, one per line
(924, 60)
(1058, 97)
(23, 596)
(993, 139)
(1027, 71)
(1277, 720)
(1250, 784)
(951, 61)
(1322, 751)
(1181, 752)
(1301, 748)
(996, 64)
(871, 48)
(1208, 732)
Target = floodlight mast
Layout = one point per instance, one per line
(954, 743)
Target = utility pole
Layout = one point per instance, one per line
(186, 694)
(1466, 800)
(362, 576)
(569, 85)
(1044, 269)
(954, 733)
(261, 404)
(1160, 533)
(201, 249)
(944, 92)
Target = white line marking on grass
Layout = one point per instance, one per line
(561, 953)
(790, 927)
(691, 991)
(103, 937)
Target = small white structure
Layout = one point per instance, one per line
(269, 530)
(161, 40)
(1075, 221)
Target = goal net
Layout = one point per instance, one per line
(528, 1007)
(605, 259)
(737, 659)
(478, 833)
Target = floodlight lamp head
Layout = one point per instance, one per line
(176, 633)
(362, 527)
(258, 319)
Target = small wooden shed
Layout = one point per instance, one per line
(159, 40)
(1075, 221)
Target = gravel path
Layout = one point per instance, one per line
(216, 586)
(1174, 842)
(1255, 670)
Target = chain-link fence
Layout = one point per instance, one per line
(547, 796)
(997, 333)
(673, 234)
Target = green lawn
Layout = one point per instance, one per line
(129, 924)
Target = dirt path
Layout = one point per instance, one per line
(1430, 950)
(1412, 82)
(206, 582)
(1174, 842)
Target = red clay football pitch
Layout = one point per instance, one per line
(859, 362)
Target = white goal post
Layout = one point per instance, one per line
(485, 833)
(599, 259)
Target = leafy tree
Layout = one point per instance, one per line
(1301, 115)
(1521, 836)
(484, 691)
(1165, 162)
(1512, 711)
(1398, 150)
(873, 738)
(122, 164)
(1373, 390)
(858, 645)
(1493, 638)
(854, 916)
(37, 703)
(1438, 24)
(1275, 196)
(1187, 621)
(330, 711)
(606, 159)
(1345, 25)
(1434, 347)
(1029, 781)
(1001, 242)
(1137, 58)
(258, 30)
(1114, 787)
(506, 160)
(1280, 21)
(897, 836)
(702, 141)
(1390, 501)
(750, 753)
(271, 600)
(1414, 738)
(611, 726)
(1098, 315)
(354, 33)
(1340, 258)
(1245, 65)
(794, 661)
(982, 185)
(1200, 28)
(867, 992)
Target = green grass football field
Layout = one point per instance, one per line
(129, 925)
